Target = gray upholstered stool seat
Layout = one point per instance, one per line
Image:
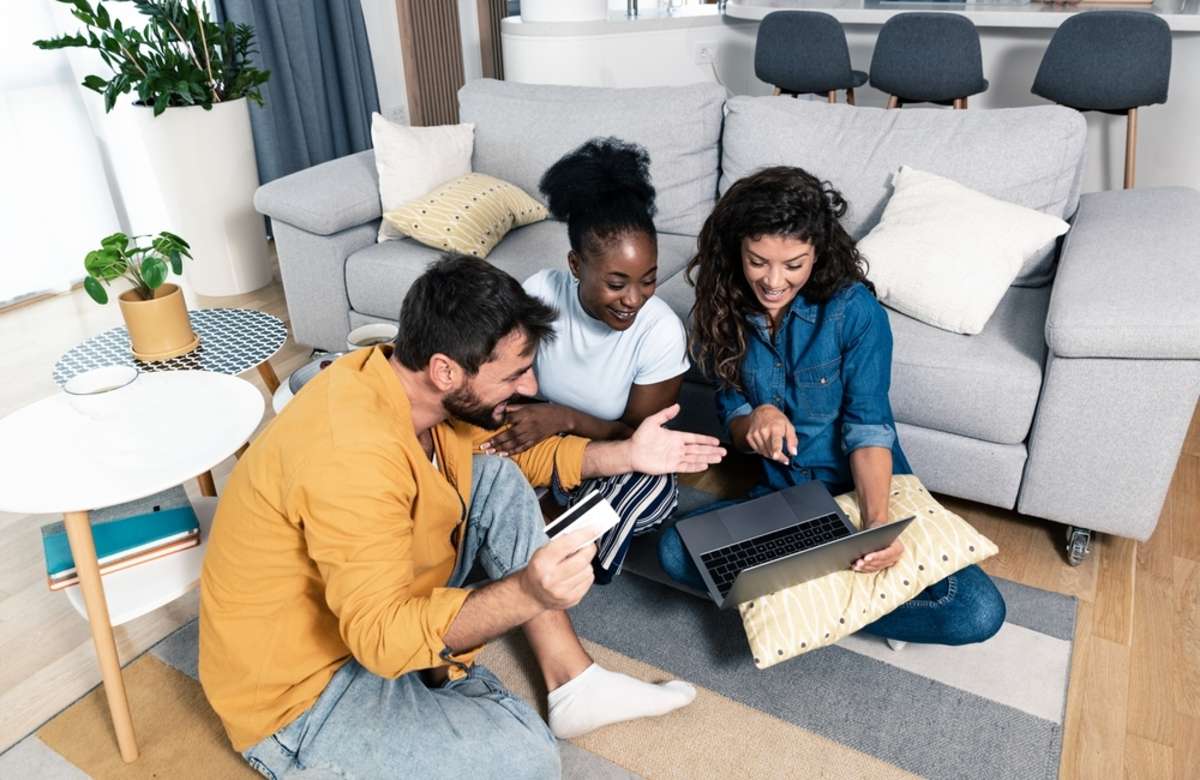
(805, 53)
(928, 58)
(1110, 61)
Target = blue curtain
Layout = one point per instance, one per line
(321, 92)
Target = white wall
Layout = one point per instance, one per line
(383, 35)
(468, 26)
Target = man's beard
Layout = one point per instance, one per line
(466, 406)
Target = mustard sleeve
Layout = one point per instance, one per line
(357, 513)
(555, 454)
(558, 454)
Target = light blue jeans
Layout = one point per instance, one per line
(366, 726)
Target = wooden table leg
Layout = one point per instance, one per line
(207, 486)
(268, 376)
(83, 550)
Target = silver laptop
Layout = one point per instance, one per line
(774, 542)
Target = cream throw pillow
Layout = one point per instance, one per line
(946, 254)
(411, 161)
(822, 611)
(469, 215)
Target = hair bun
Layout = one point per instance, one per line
(599, 171)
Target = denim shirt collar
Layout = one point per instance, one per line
(801, 307)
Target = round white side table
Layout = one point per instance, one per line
(163, 429)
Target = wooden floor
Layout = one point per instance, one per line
(1134, 705)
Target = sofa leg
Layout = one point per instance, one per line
(1079, 544)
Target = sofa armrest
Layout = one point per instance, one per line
(1128, 282)
(325, 198)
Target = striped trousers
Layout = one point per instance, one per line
(648, 499)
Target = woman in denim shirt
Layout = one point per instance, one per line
(788, 324)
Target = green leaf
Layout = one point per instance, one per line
(176, 239)
(119, 241)
(160, 105)
(102, 20)
(95, 83)
(176, 263)
(154, 272)
(105, 264)
(95, 290)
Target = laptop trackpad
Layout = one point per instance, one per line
(754, 518)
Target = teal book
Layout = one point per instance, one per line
(122, 542)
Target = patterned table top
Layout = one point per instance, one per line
(231, 341)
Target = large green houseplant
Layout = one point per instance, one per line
(181, 57)
(191, 80)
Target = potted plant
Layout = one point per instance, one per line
(192, 79)
(154, 311)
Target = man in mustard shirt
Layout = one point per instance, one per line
(335, 632)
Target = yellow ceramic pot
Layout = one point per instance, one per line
(159, 329)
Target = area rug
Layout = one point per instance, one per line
(856, 709)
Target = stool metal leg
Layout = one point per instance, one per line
(893, 102)
(831, 96)
(1130, 147)
(960, 103)
(777, 92)
(850, 96)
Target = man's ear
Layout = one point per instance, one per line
(444, 372)
(573, 262)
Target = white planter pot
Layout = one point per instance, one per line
(204, 164)
(563, 10)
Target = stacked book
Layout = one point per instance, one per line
(125, 536)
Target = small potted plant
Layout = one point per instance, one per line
(154, 311)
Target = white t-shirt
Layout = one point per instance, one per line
(589, 366)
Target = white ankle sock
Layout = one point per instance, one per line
(598, 697)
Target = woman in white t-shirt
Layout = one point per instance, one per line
(619, 353)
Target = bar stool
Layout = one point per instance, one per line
(928, 58)
(1110, 61)
(805, 53)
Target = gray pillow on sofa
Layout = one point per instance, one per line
(1029, 156)
(522, 129)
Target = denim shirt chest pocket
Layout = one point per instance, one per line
(818, 391)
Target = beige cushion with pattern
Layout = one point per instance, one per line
(469, 214)
(822, 611)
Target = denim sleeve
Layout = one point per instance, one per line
(866, 375)
(731, 403)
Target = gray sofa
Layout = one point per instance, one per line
(1071, 405)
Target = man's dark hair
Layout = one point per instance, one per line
(461, 307)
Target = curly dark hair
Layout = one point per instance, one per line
(601, 190)
(777, 201)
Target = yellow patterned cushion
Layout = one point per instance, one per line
(822, 611)
(469, 214)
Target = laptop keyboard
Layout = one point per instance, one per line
(725, 564)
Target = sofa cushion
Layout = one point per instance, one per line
(1029, 156)
(378, 276)
(822, 611)
(522, 129)
(470, 214)
(984, 386)
(945, 254)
